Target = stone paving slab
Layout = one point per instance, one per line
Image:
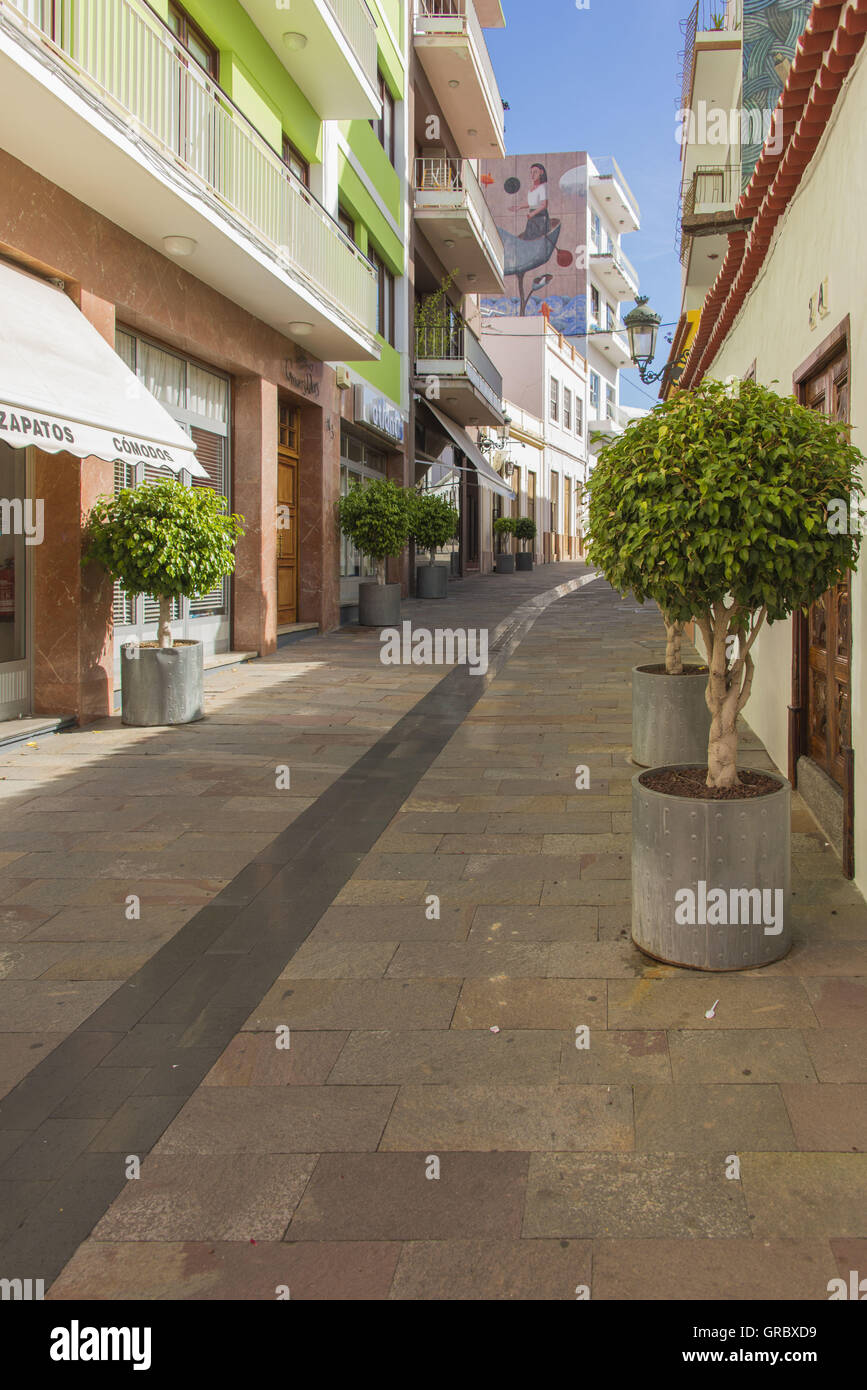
(434, 988)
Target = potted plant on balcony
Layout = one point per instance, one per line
(732, 501)
(525, 530)
(168, 541)
(670, 716)
(504, 530)
(433, 523)
(375, 516)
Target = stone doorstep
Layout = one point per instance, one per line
(14, 731)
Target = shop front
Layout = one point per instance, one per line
(371, 446)
(449, 462)
(19, 532)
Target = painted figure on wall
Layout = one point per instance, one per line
(539, 204)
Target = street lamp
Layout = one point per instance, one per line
(489, 443)
(642, 325)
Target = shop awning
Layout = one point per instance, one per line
(488, 476)
(64, 389)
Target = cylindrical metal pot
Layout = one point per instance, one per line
(378, 604)
(432, 581)
(505, 564)
(523, 560)
(711, 879)
(670, 717)
(162, 685)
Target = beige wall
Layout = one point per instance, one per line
(821, 235)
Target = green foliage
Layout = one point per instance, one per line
(163, 539)
(505, 526)
(720, 492)
(433, 520)
(436, 320)
(525, 528)
(376, 518)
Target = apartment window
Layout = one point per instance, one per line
(384, 127)
(194, 41)
(609, 402)
(555, 502)
(596, 231)
(384, 299)
(295, 162)
(555, 399)
(610, 315)
(594, 304)
(567, 408)
(595, 391)
(579, 415)
(346, 223)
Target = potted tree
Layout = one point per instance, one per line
(168, 541)
(732, 495)
(525, 530)
(433, 523)
(375, 517)
(504, 530)
(670, 716)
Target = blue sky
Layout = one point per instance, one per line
(607, 80)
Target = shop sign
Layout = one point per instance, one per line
(378, 413)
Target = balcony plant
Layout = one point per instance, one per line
(504, 530)
(433, 523)
(525, 530)
(436, 322)
(670, 718)
(168, 541)
(725, 492)
(376, 516)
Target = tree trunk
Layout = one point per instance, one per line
(433, 555)
(164, 631)
(673, 657)
(380, 571)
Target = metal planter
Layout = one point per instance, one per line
(432, 581)
(670, 718)
(739, 851)
(162, 685)
(378, 604)
(523, 560)
(505, 564)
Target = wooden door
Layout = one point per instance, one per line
(828, 669)
(287, 515)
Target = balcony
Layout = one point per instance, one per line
(613, 344)
(102, 101)
(707, 217)
(605, 418)
(712, 26)
(452, 50)
(614, 194)
(450, 359)
(332, 56)
(616, 272)
(450, 209)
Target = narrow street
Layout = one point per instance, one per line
(382, 1032)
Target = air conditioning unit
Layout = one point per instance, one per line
(344, 380)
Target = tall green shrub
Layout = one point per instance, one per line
(375, 517)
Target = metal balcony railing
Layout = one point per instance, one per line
(358, 27)
(463, 11)
(713, 188)
(451, 341)
(442, 174)
(120, 51)
(723, 16)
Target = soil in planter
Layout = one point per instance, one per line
(691, 781)
(688, 670)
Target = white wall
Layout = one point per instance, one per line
(821, 235)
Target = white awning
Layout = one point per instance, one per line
(488, 476)
(64, 389)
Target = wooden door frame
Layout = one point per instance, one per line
(295, 456)
(838, 339)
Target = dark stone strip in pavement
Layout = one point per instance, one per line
(180, 1011)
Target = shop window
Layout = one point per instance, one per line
(531, 495)
(555, 501)
(194, 41)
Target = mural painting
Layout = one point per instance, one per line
(539, 203)
(771, 31)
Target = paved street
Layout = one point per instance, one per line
(433, 911)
